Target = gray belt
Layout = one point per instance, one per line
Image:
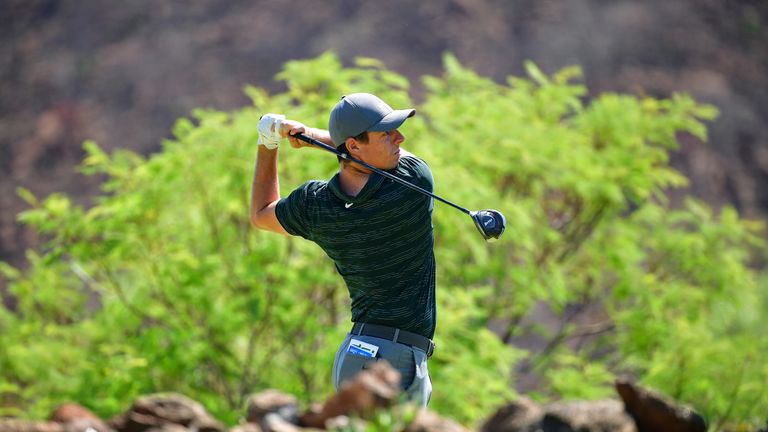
(395, 335)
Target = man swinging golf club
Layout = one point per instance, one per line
(377, 232)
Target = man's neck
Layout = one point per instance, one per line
(352, 179)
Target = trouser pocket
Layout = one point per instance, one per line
(350, 365)
(420, 390)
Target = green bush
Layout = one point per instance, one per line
(163, 285)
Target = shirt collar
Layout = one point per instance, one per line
(371, 186)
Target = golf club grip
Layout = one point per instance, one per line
(393, 177)
(318, 143)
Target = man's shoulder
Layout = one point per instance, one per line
(313, 187)
(298, 212)
(410, 158)
(415, 167)
(311, 190)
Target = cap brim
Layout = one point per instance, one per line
(392, 120)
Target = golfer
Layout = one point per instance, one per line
(377, 232)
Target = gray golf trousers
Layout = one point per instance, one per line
(409, 361)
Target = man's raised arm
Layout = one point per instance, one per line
(266, 185)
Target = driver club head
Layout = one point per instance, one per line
(490, 223)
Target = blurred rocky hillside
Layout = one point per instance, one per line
(358, 405)
(122, 72)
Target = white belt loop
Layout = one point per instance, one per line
(362, 326)
(397, 333)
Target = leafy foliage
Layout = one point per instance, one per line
(162, 285)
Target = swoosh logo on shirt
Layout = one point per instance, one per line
(348, 205)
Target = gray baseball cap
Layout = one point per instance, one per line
(360, 112)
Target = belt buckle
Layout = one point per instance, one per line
(431, 348)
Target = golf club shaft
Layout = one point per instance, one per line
(393, 177)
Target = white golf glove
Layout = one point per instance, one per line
(269, 130)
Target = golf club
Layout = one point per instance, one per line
(490, 223)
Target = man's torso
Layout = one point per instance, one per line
(380, 240)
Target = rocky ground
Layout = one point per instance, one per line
(353, 408)
(122, 72)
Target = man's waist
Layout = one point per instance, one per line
(395, 335)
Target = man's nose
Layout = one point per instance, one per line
(399, 138)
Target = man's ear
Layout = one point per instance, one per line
(353, 147)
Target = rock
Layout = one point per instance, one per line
(652, 413)
(87, 425)
(247, 427)
(70, 411)
(158, 411)
(524, 415)
(170, 428)
(377, 387)
(521, 415)
(344, 423)
(77, 418)
(273, 402)
(428, 421)
(15, 425)
(273, 422)
(135, 422)
(587, 416)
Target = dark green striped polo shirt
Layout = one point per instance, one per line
(381, 242)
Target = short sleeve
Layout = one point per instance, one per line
(293, 212)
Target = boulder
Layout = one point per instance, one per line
(16, 425)
(70, 411)
(247, 427)
(587, 416)
(428, 421)
(272, 405)
(77, 418)
(524, 415)
(163, 412)
(521, 415)
(652, 412)
(373, 388)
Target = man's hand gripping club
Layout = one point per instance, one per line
(274, 127)
(270, 126)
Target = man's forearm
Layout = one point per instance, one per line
(266, 185)
(321, 135)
